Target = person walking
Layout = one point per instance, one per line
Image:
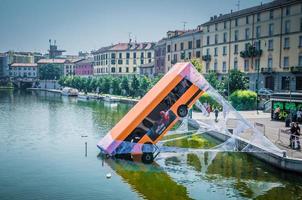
(299, 116)
(297, 136)
(216, 111)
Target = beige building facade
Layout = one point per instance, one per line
(267, 37)
(182, 46)
(124, 58)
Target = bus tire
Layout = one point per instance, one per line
(182, 110)
(147, 158)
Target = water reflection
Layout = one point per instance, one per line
(151, 181)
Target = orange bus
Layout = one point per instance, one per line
(136, 134)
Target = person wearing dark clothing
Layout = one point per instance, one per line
(295, 136)
(216, 111)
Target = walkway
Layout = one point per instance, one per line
(272, 129)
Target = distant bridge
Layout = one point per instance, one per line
(24, 82)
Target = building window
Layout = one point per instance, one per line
(236, 22)
(215, 51)
(190, 55)
(299, 83)
(301, 24)
(225, 37)
(287, 10)
(208, 40)
(271, 14)
(270, 44)
(270, 29)
(286, 62)
(224, 50)
(247, 33)
(258, 31)
(236, 35)
(236, 49)
(285, 83)
(190, 44)
(127, 55)
(235, 64)
(112, 70)
(300, 41)
(175, 58)
(216, 38)
(246, 46)
(168, 57)
(258, 17)
(216, 27)
(120, 70)
(286, 43)
(134, 62)
(175, 47)
(198, 44)
(246, 65)
(257, 45)
(134, 54)
(168, 48)
(224, 24)
(182, 55)
(208, 28)
(197, 54)
(112, 62)
(208, 51)
(134, 69)
(223, 66)
(247, 19)
(300, 60)
(207, 66)
(181, 46)
(287, 26)
(270, 63)
(142, 61)
(215, 65)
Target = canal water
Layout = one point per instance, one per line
(42, 156)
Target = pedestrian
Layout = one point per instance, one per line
(297, 137)
(277, 112)
(291, 137)
(216, 111)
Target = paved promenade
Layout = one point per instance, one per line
(272, 129)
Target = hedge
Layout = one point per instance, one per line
(243, 100)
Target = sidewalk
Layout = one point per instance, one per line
(272, 128)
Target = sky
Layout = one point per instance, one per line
(85, 25)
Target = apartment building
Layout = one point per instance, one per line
(160, 57)
(23, 70)
(123, 58)
(265, 38)
(183, 46)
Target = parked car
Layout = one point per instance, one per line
(265, 92)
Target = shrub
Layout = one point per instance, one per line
(243, 99)
(205, 98)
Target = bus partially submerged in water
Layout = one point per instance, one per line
(135, 135)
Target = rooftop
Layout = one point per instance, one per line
(127, 46)
(251, 10)
(55, 61)
(24, 65)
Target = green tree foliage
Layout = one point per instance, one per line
(243, 99)
(115, 85)
(212, 78)
(197, 64)
(134, 86)
(125, 86)
(237, 81)
(50, 72)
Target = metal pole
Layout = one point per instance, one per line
(257, 89)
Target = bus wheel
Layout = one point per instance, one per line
(147, 158)
(182, 111)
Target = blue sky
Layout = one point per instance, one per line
(84, 25)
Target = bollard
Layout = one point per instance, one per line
(284, 154)
(85, 149)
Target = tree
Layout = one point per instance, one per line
(197, 64)
(212, 78)
(236, 81)
(144, 85)
(134, 86)
(50, 72)
(125, 86)
(106, 84)
(115, 85)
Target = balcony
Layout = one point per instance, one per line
(251, 52)
(206, 58)
(266, 70)
(296, 70)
